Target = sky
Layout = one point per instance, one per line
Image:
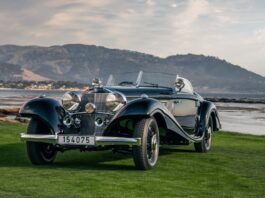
(231, 30)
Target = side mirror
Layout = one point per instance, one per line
(179, 83)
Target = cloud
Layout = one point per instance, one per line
(174, 5)
(260, 35)
(228, 29)
(150, 2)
(193, 10)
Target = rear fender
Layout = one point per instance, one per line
(208, 109)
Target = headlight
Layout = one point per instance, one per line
(115, 101)
(71, 100)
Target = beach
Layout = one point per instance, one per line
(242, 117)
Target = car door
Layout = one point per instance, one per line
(185, 112)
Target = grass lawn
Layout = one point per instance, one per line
(235, 167)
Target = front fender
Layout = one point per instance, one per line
(46, 109)
(140, 107)
(147, 107)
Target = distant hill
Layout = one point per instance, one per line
(81, 63)
(10, 72)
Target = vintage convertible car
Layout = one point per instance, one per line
(129, 116)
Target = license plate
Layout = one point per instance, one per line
(76, 140)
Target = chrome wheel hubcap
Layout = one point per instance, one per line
(152, 147)
(154, 143)
(208, 138)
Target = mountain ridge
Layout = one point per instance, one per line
(81, 63)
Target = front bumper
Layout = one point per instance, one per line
(99, 140)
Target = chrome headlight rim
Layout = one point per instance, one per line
(115, 101)
(71, 100)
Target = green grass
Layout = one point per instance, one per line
(235, 167)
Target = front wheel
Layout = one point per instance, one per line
(146, 156)
(40, 153)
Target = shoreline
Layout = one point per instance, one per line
(11, 105)
(39, 89)
(240, 118)
(236, 100)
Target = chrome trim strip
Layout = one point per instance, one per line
(104, 140)
(99, 140)
(39, 138)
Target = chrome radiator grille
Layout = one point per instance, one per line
(88, 124)
(100, 102)
(101, 112)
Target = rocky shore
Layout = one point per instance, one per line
(10, 114)
(9, 110)
(240, 100)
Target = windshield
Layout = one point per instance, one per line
(151, 79)
(141, 78)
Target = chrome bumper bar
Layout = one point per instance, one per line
(99, 140)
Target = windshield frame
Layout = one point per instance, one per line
(140, 83)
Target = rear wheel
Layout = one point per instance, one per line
(40, 153)
(146, 156)
(205, 145)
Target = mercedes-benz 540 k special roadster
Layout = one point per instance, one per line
(133, 113)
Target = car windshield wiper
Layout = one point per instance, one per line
(152, 84)
(126, 83)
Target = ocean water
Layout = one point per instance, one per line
(236, 117)
(16, 97)
(13, 93)
(242, 117)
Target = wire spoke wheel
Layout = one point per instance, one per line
(208, 138)
(146, 155)
(40, 153)
(47, 151)
(152, 146)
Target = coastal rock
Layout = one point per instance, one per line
(9, 110)
(6, 119)
(240, 100)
